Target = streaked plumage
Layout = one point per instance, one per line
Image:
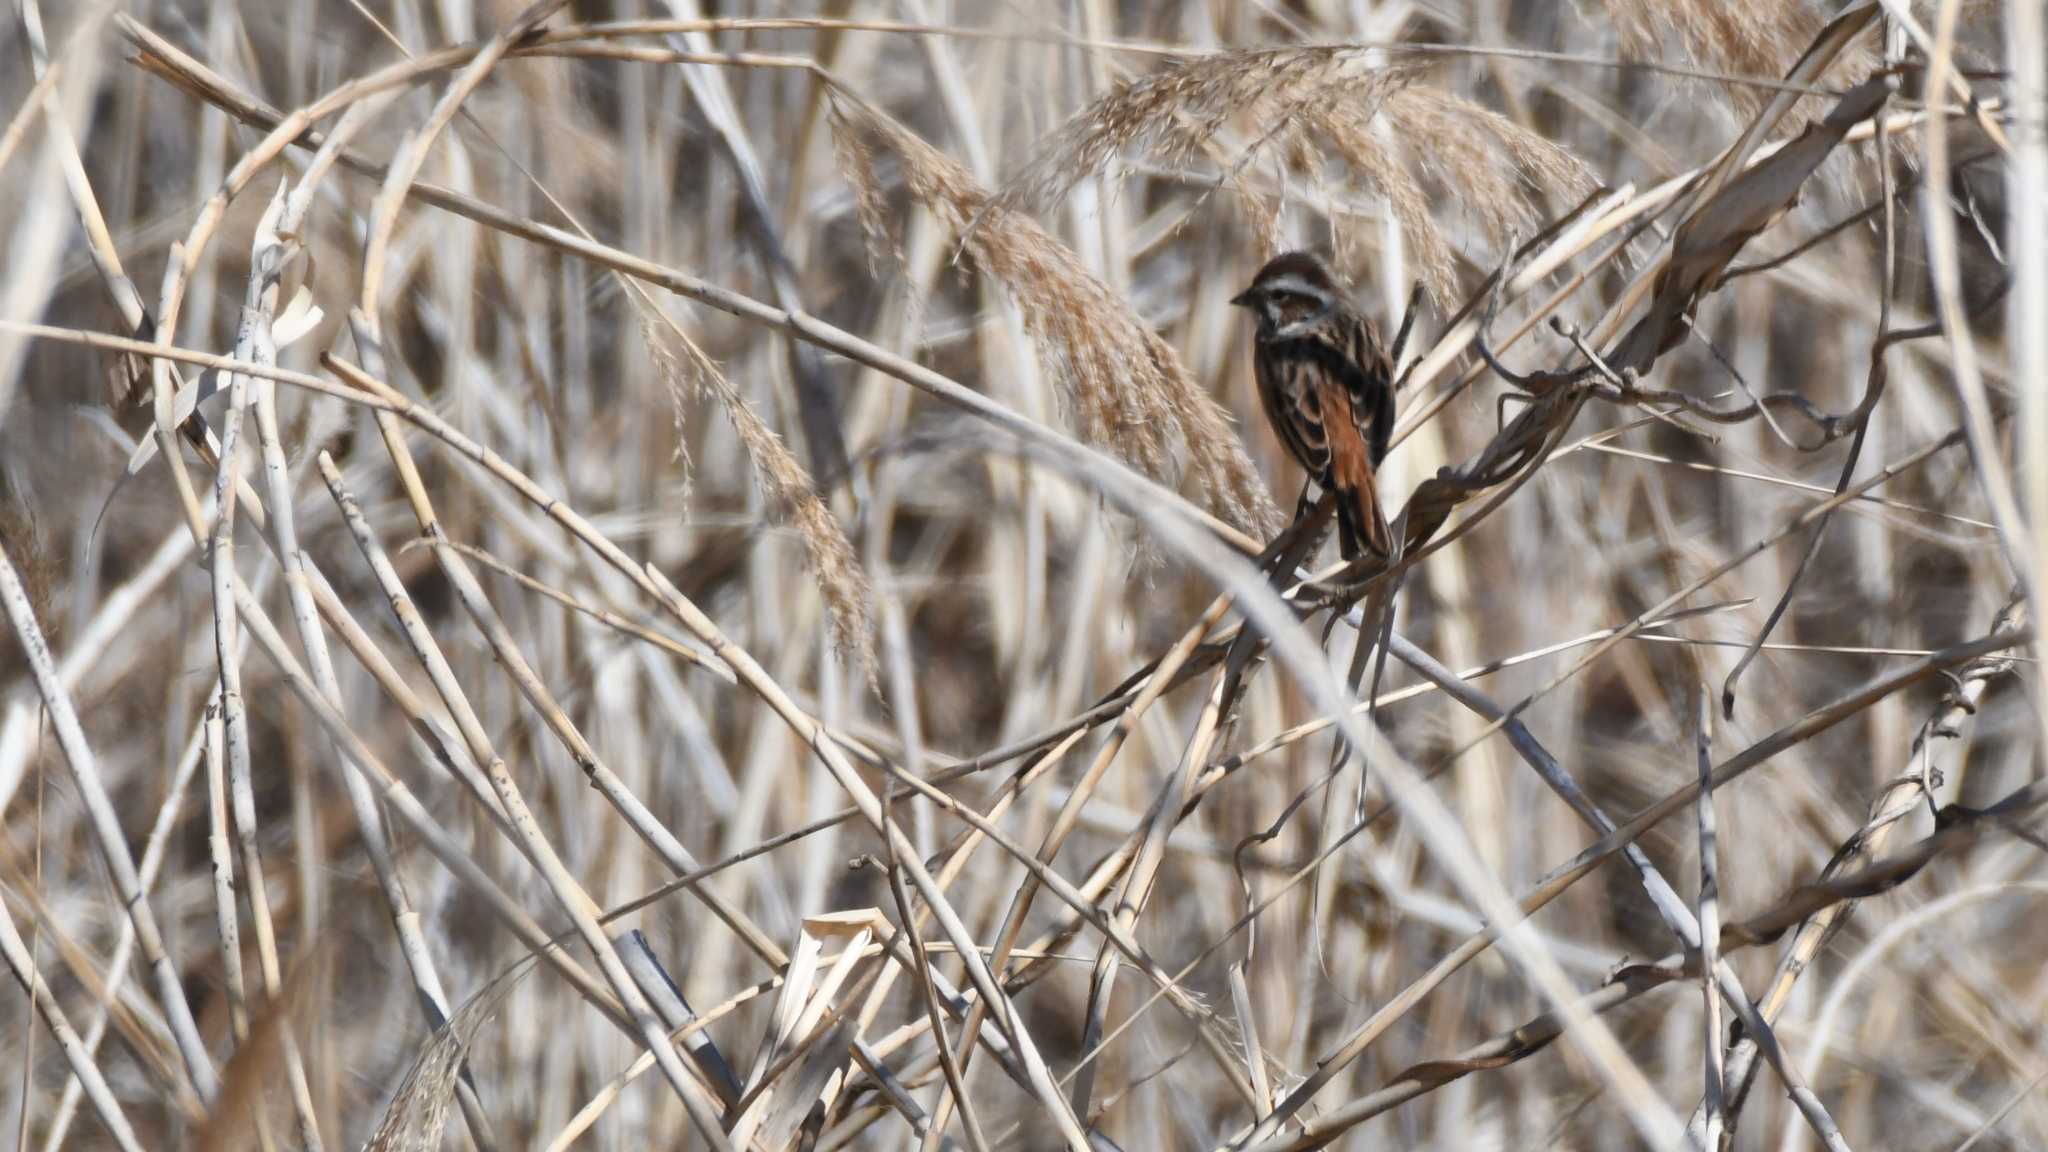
(1327, 389)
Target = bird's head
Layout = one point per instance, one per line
(1292, 292)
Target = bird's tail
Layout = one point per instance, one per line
(1361, 525)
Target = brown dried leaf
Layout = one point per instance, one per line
(1718, 228)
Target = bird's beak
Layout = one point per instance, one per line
(1242, 299)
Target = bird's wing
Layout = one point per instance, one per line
(1294, 407)
(1351, 471)
(1368, 381)
(1359, 408)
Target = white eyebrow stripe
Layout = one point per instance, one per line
(1292, 283)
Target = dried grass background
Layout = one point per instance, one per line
(809, 452)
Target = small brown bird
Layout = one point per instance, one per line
(1327, 388)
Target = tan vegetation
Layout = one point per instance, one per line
(547, 542)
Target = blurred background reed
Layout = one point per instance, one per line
(677, 432)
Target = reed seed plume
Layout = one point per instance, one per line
(1383, 166)
(1126, 390)
(1483, 164)
(1744, 37)
(1178, 113)
(854, 154)
(678, 379)
(792, 498)
(1755, 38)
(40, 574)
(1429, 154)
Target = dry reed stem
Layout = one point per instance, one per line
(2015, 533)
(153, 855)
(107, 833)
(563, 884)
(1713, 1096)
(1893, 804)
(1562, 877)
(2027, 310)
(1294, 649)
(255, 345)
(23, 966)
(1670, 907)
(394, 792)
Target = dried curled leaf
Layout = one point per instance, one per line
(1525, 442)
(1702, 247)
(1714, 232)
(419, 1108)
